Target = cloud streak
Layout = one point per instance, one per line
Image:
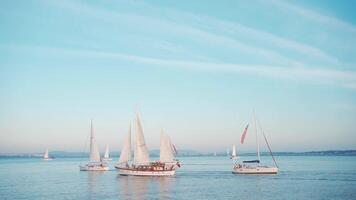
(315, 16)
(339, 78)
(217, 37)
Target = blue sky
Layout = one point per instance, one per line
(197, 69)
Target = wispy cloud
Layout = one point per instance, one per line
(210, 37)
(344, 79)
(315, 16)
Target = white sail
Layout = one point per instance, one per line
(166, 151)
(94, 150)
(107, 154)
(141, 152)
(125, 155)
(45, 156)
(233, 154)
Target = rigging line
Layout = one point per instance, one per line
(269, 148)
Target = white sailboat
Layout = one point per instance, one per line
(95, 162)
(46, 156)
(233, 153)
(141, 165)
(107, 154)
(254, 166)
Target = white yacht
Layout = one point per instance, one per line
(95, 162)
(141, 164)
(254, 166)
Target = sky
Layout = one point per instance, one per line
(197, 69)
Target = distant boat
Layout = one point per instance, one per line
(46, 156)
(233, 153)
(254, 166)
(141, 164)
(107, 154)
(227, 152)
(95, 162)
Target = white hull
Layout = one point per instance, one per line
(133, 172)
(93, 168)
(255, 170)
(107, 159)
(47, 159)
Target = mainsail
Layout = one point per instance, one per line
(107, 155)
(125, 155)
(166, 151)
(94, 150)
(141, 152)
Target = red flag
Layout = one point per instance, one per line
(244, 134)
(175, 150)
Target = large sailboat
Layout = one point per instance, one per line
(95, 162)
(254, 166)
(107, 154)
(46, 156)
(141, 164)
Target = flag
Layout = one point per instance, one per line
(244, 134)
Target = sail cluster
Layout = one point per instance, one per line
(141, 154)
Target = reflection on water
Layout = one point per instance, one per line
(136, 187)
(93, 183)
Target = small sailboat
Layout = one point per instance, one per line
(95, 162)
(227, 152)
(46, 156)
(141, 164)
(233, 153)
(107, 154)
(254, 166)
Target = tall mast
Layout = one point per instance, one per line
(258, 145)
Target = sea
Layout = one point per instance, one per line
(300, 177)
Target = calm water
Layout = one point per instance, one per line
(300, 177)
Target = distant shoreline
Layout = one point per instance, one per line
(187, 153)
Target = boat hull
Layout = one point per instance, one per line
(93, 168)
(133, 172)
(107, 159)
(47, 159)
(255, 170)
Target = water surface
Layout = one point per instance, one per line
(300, 177)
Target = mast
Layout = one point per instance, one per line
(258, 145)
(269, 148)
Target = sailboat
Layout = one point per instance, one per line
(95, 162)
(254, 166)
(233, 153)
(46, 156)
(141, 164)
(107, 154)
